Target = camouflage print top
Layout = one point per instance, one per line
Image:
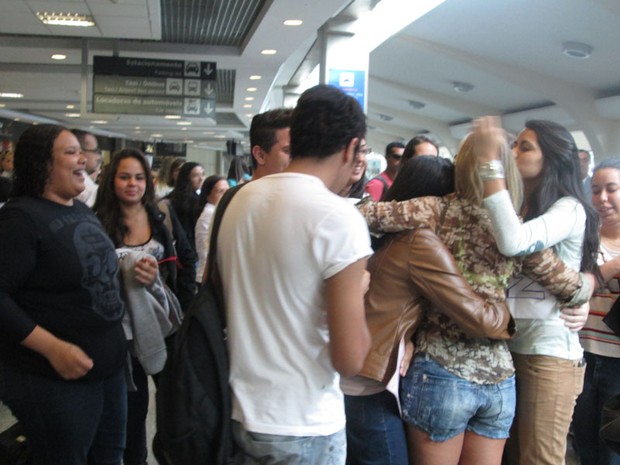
(465, 229)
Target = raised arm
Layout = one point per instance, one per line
(512, 236)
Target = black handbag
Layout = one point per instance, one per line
(14, 448)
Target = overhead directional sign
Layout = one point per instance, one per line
(154, 87)
(351, 82)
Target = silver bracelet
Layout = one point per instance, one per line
(491, 170)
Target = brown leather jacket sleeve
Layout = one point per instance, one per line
(434, 271)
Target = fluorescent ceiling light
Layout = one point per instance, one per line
(65, 19)
(11, 95)
(72, 115)
(172, 117)
(184, 123)
(269, 51)
(249, 99)
(59, 56)
(99, 121)
(247, 105)
(251, 89)
(293, 22)
(70, 106)
(255, 77)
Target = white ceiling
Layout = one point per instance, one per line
(509, 50)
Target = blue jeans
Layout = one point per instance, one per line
(601, 382)
(375, 431)
(270, 449)
(68, 422)
(444, 405)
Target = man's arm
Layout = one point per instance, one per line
(346, 319)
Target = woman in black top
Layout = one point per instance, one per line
(62, 347)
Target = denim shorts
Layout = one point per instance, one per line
(444, 405)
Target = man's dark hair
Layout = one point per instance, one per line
(324, 122)
(391, 146)
(80, 134)
(264, 126)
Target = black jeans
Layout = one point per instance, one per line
(68, 422)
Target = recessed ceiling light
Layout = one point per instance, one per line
(269, 51)
(463, 87)
(255, 77)
(247, 105)
(11, 95)
(138, 127)
(157, 135)
(293, 22)
(70, 107)
(65, 19)
(99, 121)
(184, 123)
(251, 89)
(576, 50)
(59, 56)
(172, 116)
(249, 99)
(183, 129)
(72, 115)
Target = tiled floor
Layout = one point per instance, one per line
(6, 420)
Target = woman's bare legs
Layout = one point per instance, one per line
(464, 449)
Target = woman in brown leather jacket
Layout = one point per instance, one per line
(412, 274)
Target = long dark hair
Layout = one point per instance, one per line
(107, 206)
(183, 197)
(421, 176)
(207, 187)
(561, 177)
(33, 159)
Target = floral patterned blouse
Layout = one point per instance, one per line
(465, 228)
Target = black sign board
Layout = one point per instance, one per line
(154, 87)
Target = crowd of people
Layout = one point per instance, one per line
(435, 314)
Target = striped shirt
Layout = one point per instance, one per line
(596, 337)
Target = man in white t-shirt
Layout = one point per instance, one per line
(292, 255)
